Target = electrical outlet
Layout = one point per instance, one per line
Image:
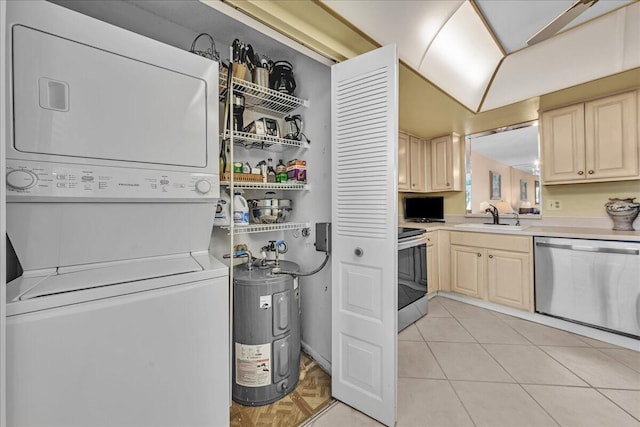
(554, 205)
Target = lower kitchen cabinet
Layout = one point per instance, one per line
(509, 278)
(432, 262)
(493, 267)
(467, 270)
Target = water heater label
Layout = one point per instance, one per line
(253, 365)
(265, 301)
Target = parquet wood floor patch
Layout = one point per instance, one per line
(312, 394)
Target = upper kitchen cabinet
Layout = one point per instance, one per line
(445, 155)
(412, 163)
(593, 141)
(403, 162)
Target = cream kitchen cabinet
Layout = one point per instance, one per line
(403, 162)
(493, 267)
(593, 141)
(445, 167)
(432, 262)
(411, 163)
(467, 270)
(509, 278)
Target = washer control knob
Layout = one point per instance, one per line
(21, 179)
(203, 186)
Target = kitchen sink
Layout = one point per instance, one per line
(486, 226)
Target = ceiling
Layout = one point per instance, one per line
(476, 50)
(426, 110)
(514, 21)
(517, 147)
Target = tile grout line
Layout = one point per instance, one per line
(564, 366)
(461, 402)
(539, 404)
(614, 402)
(617, 360)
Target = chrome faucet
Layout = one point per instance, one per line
(279, 247)
(494, 214)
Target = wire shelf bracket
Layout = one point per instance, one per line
(261, 228)
(268, 185)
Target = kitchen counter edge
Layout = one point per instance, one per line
(548, 231)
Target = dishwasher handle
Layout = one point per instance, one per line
(621, 251)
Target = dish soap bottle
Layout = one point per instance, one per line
(281, 172)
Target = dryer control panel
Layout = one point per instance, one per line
(40, 179)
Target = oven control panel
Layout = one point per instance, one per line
(29, 178)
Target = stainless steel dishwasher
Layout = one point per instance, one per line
(594, 282)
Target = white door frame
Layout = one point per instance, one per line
(3, 212)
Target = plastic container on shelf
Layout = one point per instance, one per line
(240, 210)
(222, 216)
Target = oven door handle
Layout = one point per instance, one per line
(412, 241)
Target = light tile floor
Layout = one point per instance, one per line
(466, 366)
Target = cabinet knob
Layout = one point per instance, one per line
(491, 256)
(448, 184)
(479, 254)
(580, 172)
(359, 252)
(591, 172)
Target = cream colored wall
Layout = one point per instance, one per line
(480, 181)
(586, 200)
(516, 176)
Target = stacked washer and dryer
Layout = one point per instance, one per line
(112, 179)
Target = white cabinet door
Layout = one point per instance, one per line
(364, 119)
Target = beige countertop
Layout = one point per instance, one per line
(547, 231)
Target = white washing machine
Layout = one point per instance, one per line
(121, 316)
(146, 352)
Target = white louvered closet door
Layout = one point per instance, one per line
(364, 98)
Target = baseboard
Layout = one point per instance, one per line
(575, 328)
(324, 363)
